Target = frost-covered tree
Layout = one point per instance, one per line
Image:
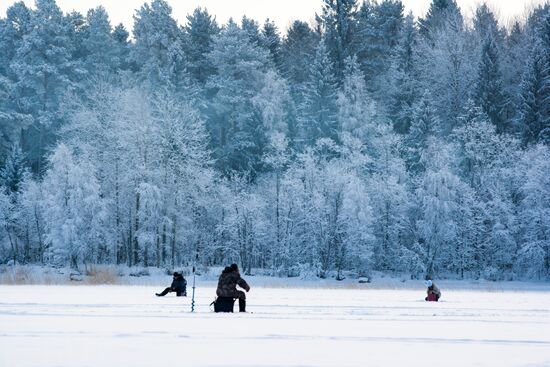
(158, 50)
(74, 208)
(440, 12)
(448, 72)
(236, 134)
(317, 112)
(439, 204)
(45, 71)
(98, 42)
(534, 254)
(199, 33)
(489, 90)
(424, 124)
(378, 35)
(297, 51)
(271, 40)
(356, 110)
(403, 78)
(534, 115)
(14, 171)
(338, 18)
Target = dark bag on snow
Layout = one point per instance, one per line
(224, 304)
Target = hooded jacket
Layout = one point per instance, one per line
(228, 281)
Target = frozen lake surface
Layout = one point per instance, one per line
(73, 326)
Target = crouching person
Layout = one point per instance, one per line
(227, 286)
(179, 285)
(433, 292)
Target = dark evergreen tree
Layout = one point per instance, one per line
(339, 18)
(122, 44)
(45, 71)
(100, 48)
(534, 115)
(297, 51)
(403, 78)
(513, 62)
(377, 36)
(271, 41)
(252, 29)
(200, 29)
(489, 92)
(12, 121)
(438, 14)
(485, 24)
(14, 170)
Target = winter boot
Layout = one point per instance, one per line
(242, 305)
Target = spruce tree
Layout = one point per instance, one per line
(424, 124)
(338, 18)
(158, 50)
(403, 78)
(376, 39)
(317, 112)
(271, 41)
(14, 170)
(534, 115)
(199, 33)
(489, 90)
(45, 72)
(439, 12)
(297, 51)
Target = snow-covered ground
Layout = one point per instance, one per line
(120, 326)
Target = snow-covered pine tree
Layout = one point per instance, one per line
(237, 136)
(158, 48)
(489, 92)
(199, 34)
(45, 71)
(403, 78)
(338, 18)
(317, 112)
(534, 117)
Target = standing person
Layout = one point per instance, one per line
(179, 285)
(227, 285)
(433, 291)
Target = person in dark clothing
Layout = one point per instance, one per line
(179, 285)
(227, 285)
(433, 291)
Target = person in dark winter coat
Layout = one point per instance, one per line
(433, 291)
(179, 285)
(227, 285)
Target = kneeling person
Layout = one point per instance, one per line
(227, 286)
(433, 291)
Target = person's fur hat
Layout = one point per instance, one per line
(234, 267)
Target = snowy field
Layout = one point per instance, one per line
(72, 326)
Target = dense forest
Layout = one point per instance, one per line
(368, 140)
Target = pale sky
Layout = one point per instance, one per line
(283, 12)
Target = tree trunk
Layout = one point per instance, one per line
(136, 229)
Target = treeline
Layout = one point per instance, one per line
(368, 140)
